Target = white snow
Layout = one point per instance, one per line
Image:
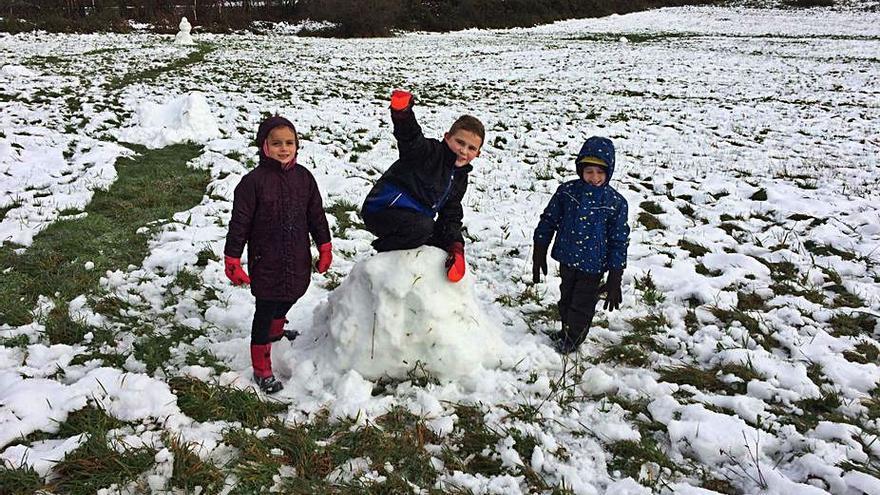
(707, 106)
(397, 309)
(183, 118)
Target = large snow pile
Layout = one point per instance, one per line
(184, 118)
(397, 309)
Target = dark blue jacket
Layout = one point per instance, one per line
(589, 222)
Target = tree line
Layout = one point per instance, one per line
(350, 17)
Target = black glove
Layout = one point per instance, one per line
(611, 287)
(539, 262)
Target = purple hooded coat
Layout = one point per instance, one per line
(274, 212)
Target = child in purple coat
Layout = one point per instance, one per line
(277, 206)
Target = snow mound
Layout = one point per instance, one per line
(17, 71)
(397, 309)
(185, 118)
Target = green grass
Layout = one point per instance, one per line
(695, 250)
(150, 187)
(17, 341)
(852, 325)
(864, 352)
(342, 210)
(212, 402)
(749, 302)
(154, 349)
(206, 358)
(827, 250)
(649, 221)
(90, 419)
(22, 480)
(812, 411)
(651, 295)
(629, 354)
(100, 461)
(151, 74)
(471, 439)
(96, 464)
(627, 456)
(710, 380)
(190, 473)
(651, 207)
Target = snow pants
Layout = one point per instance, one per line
(266, 311)
(579, 293)
(396, 228)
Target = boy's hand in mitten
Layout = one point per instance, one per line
(234, 272)
(613, 295)
(539, 262)
(400, 100)
(455, 266)
(325, 257)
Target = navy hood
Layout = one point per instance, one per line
(596, 150)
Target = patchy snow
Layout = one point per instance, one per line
(762, 171)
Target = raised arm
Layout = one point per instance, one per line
(411, 143)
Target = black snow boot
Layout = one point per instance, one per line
(569, 339)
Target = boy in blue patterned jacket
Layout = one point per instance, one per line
(589, 219)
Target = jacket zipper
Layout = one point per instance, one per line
(445, 193)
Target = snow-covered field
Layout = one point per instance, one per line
(744, 358)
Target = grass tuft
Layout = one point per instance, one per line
(212, 402)
(99, 462)
(190, 473)
(628, 456)
(473, 443)
(345, 213)
(22, 480)
(852, 325)
(651, 207)
(650, 222)
(696, 250)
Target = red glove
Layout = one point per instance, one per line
(325, 257)
(455, 266)
(234, 272)
(400, 100)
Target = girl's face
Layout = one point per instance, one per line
(281, 144)
(594, 175)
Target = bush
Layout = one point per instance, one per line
(365, 18)
(15, 26)
(809, 3)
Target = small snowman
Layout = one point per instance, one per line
(183, 37)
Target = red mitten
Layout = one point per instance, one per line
(455, 266)
(325, 257)
(234, 272)
(400, 100)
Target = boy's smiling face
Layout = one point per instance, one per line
(281, 144)
(465, 144)
(595, 175)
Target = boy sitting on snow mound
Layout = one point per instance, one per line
(417, 201)
(592, 236)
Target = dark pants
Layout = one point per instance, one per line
(397, 228)
(263, 316)
(577, 303)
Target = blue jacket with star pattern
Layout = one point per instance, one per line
(590, 225)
